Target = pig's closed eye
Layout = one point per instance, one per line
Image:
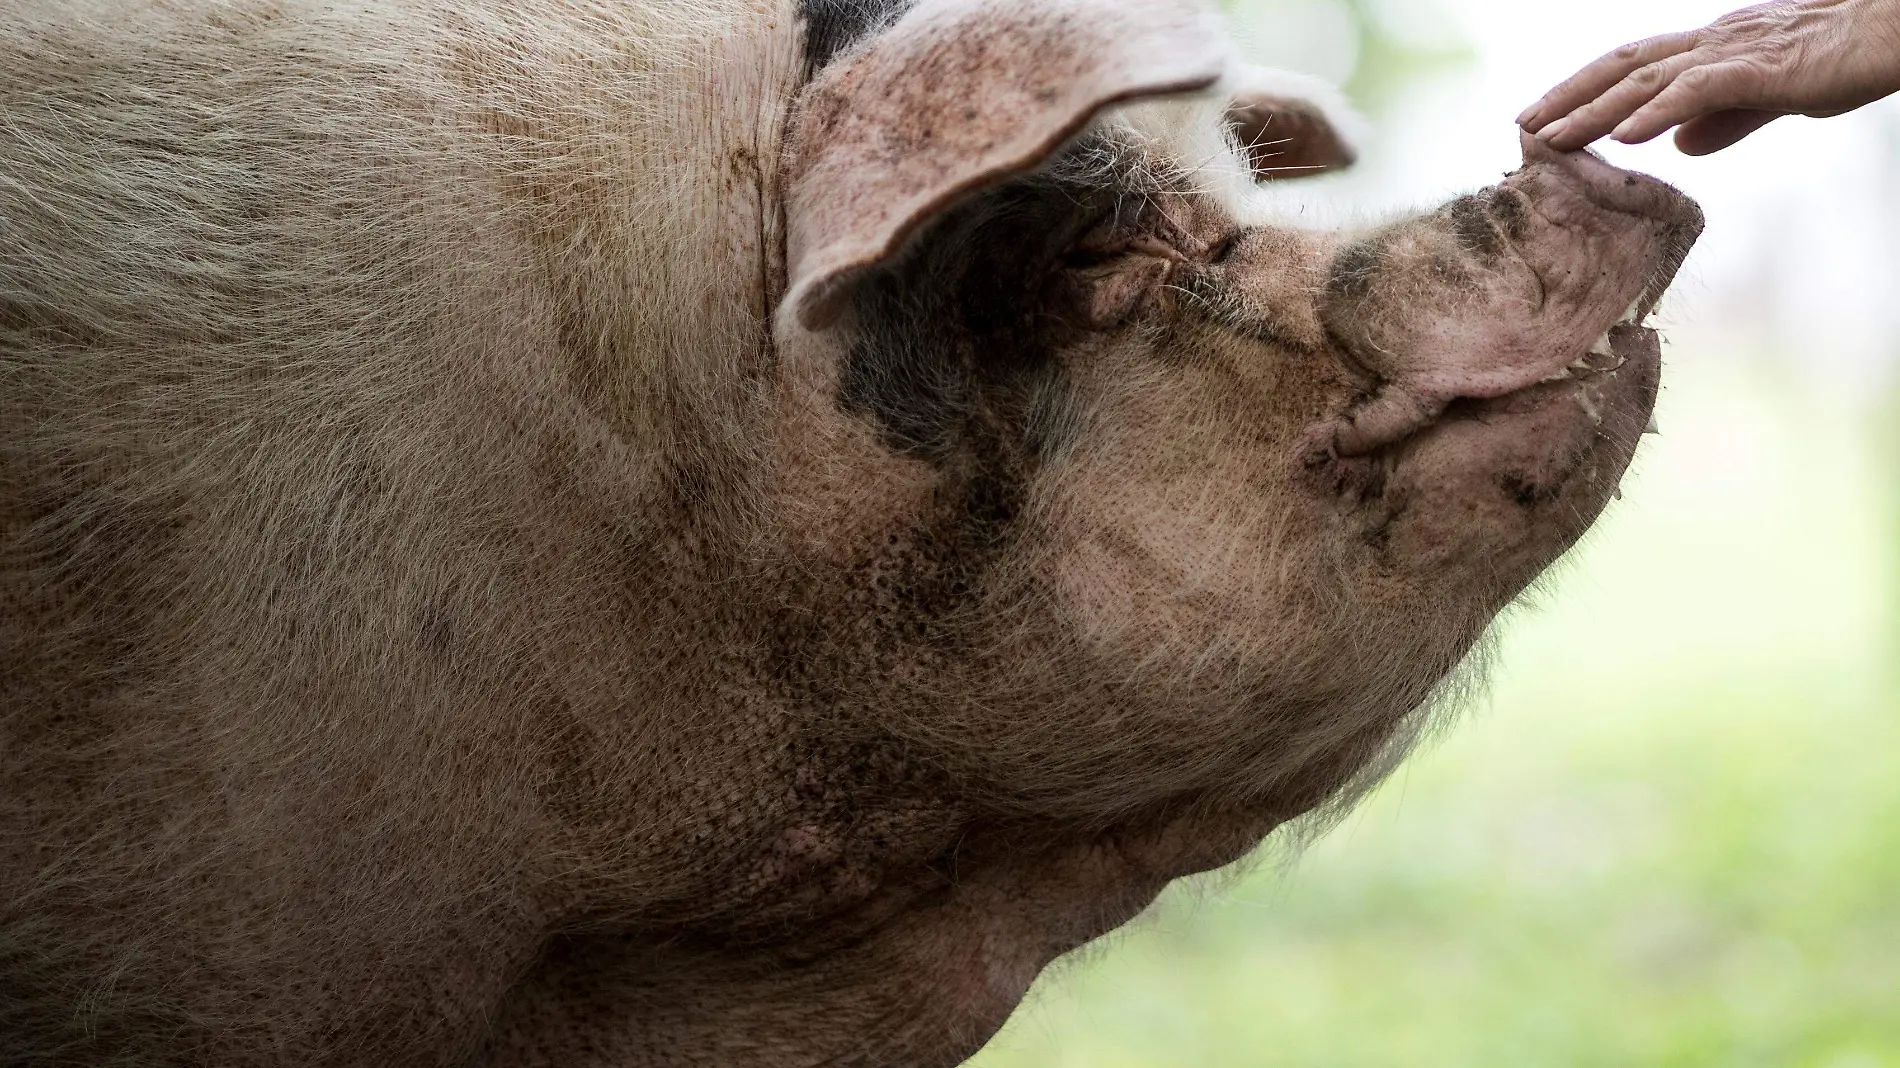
(1223, 249)
(1083, 258)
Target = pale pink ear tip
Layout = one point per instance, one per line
(1349, 127)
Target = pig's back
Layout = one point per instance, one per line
(317, 327)
(289, 290)
(252, 265)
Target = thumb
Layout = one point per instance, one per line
(1713, 133)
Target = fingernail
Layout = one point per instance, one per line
(1622, 133)
(1553, 131)
(1529, 112)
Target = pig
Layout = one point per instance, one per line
(733, 532)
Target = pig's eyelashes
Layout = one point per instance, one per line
(1223, 249)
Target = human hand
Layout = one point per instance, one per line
(1731, 78)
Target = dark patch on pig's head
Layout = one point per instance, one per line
(951, 356)
(1510, 209)
(833, 27)
(1474, 226)
(1353, 270)
(1526, 492)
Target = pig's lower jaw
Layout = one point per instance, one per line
(1509, 482)
(923, 980)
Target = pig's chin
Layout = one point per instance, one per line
(1502, 486)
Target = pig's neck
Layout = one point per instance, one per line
(689, 794)
(655, 216)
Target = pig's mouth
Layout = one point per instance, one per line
(1629, 344)
(1596, 385)
(1503, 484)
(1395, 417)
(1581, 420)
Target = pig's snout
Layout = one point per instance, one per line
(1610, 187)
(1505, 291)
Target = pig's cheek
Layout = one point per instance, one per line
(835, 489)
(1150, 573)
(1094, 588)
(1113, 577)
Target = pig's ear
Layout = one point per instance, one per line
(1291, 125)
(958, 96)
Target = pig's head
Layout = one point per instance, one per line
(1130, 520)
(1150, 492)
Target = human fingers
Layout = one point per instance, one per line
(1713, 133)
(1610, 110)
(1699, 91)
(1602, 75)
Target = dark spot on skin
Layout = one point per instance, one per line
(914, 398)
(85, 569)
(1527, 493)
(1451, 269)
(1472, 222)
(833, 27)
(951, 356)
(364, 478)
(1353, 270)
(692, 485)
(1510, 208)
(954, 357)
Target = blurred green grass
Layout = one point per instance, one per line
(1671, 837)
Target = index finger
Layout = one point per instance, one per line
(1603, 75)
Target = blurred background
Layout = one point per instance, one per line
(1671, 834)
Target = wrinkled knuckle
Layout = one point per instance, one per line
(1685, 42)
(1704, 84)
(1724, 84)
(1773, 30)
(1697, 78)
(1762, 18)
(1650, 77)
